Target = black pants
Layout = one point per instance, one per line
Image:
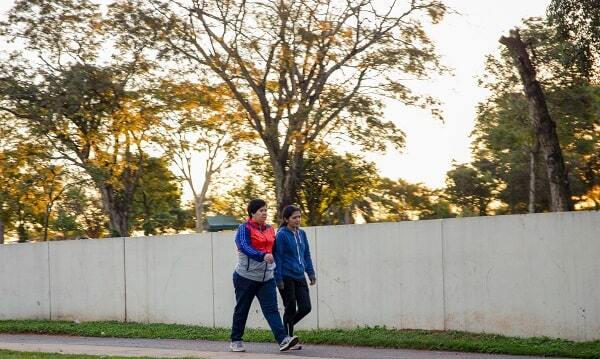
(296, 302)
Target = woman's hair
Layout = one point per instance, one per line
(255, 205)
(287, 212)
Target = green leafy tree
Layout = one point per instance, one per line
(234, 201)
(156, 201)
(91, 109)
(400, 200)
(578, 23)
(303, 71)
(504, 136)
(80, 214)
(470, 189)
(332, 185)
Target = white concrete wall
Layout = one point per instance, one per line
(381, 274)
(224, 259)
(87, 279)
(169, 279)
(526, 275)
(24, 286)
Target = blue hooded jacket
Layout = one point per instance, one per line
(292, 255)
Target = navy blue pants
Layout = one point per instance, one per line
(266, 292)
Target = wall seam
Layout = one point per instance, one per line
(318, 280)
(212, 276)
(443, 272)
(49, 283)
(125, 279)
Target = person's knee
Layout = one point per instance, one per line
(269, 308)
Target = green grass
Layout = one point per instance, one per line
(369, 337)
(9, 354)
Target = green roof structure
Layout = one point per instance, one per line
(221, 223)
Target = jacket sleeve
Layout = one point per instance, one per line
(308, 265)
(278, 254)
(242, 241)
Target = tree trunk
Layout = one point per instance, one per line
(46, 223)
(543, 125)
(347, 216)
(117, 214)
(532, 176)
(199, 211)
(199, 199)
(285, 187)
(1, 231)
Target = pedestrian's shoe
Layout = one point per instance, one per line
(296, 347)
(237, 346)
(287, 343)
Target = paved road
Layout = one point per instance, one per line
(175, 348)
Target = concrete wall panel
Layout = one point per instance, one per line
(24, 283)
(526, 275)
(87, 279)
(380, 274)
(169, 279)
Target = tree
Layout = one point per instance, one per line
(470, 189)
(578, 23)
(400, 200)
(332, 184)
(202, 121)
(543, 124)
(234, 201)
(302, 70)
(91, 112)
(79, 213)
(504, 136)
(157, 198)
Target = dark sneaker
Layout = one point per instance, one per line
(287, 343)
(296, 347)
(237, 346)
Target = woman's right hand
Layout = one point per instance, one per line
(269, 258)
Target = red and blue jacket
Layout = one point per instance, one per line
(253, 242)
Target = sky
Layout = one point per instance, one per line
(462, 40)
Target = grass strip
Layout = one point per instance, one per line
(379, 337)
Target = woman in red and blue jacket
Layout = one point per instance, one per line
(293, 264)
(253, 277)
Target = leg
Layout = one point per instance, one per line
(267, 296)
(303, 300)
(245, 291)
(289, 302)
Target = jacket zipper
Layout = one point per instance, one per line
(298, 248)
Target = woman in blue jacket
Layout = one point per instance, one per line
(293, 263)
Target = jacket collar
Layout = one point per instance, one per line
(286, 228)
(254, 224)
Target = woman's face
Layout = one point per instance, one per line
(294, 220)
(260, 216)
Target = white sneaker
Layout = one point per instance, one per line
(287, 343)
(237, 346)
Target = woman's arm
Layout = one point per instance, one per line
(308, 265)
(242, 241)
(278, 254)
